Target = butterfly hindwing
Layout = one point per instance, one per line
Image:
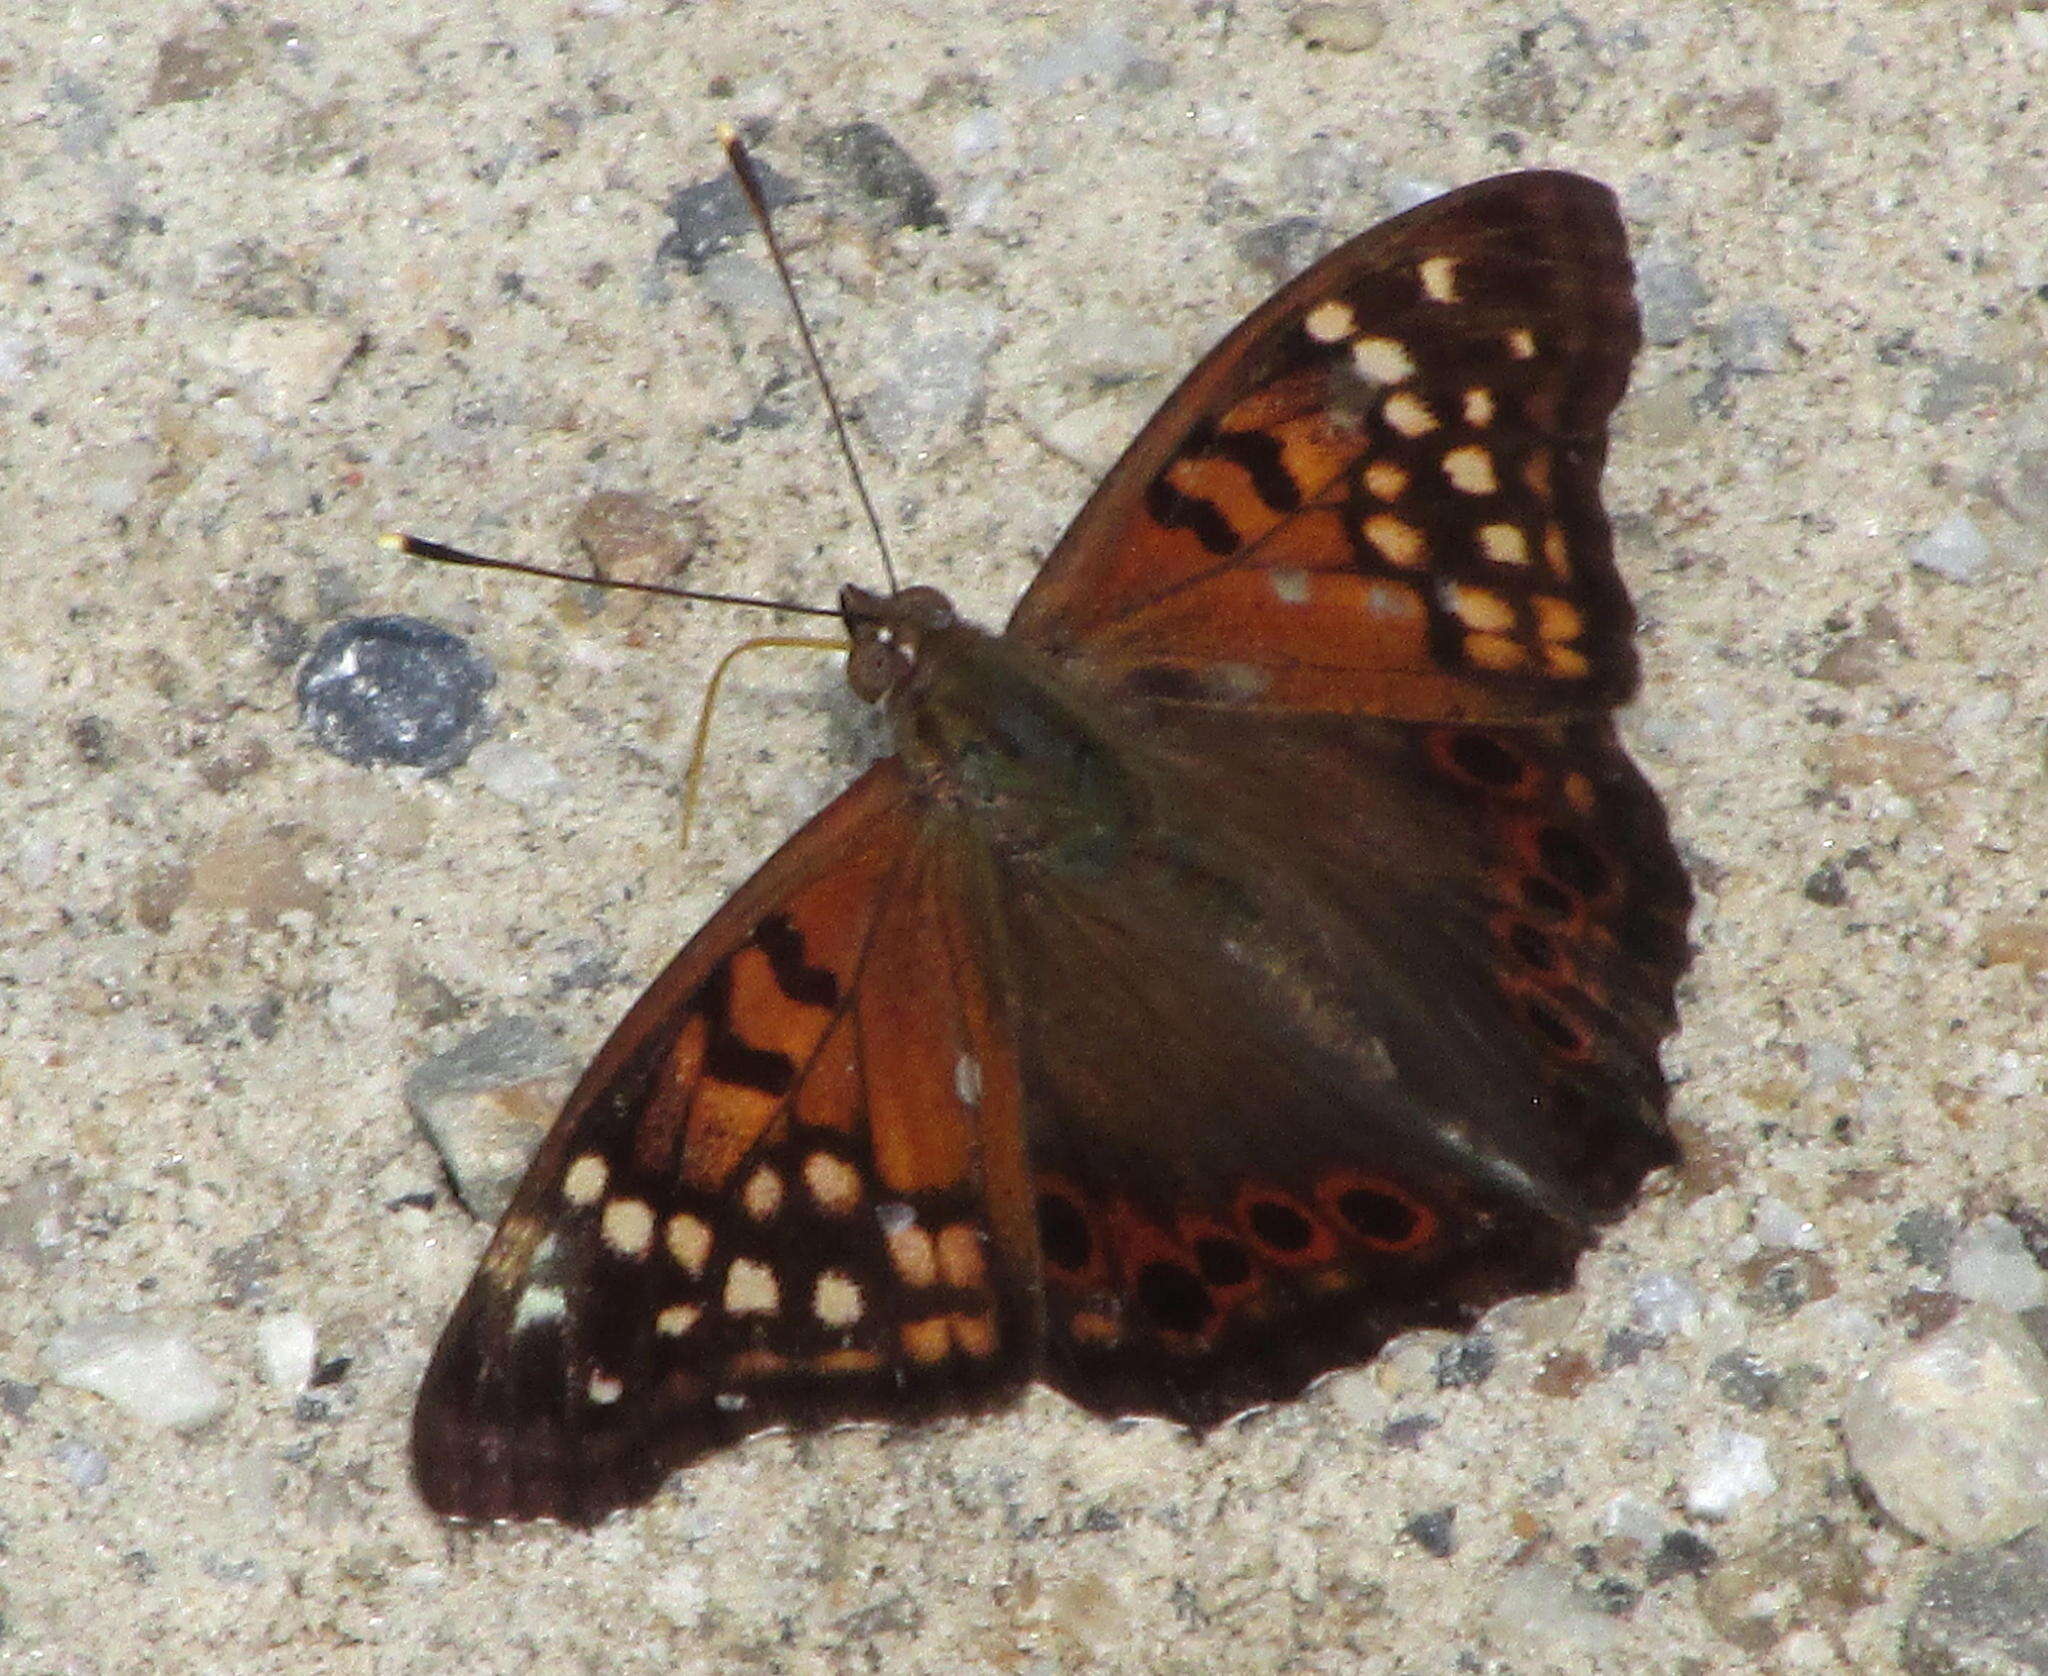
(1402, 1066)
(765, 1203)
(1380, 493)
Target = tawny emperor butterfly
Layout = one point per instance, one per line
(1258, 949)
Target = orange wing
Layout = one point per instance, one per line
(1380, 493)
(769, 1201)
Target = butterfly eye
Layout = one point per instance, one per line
(874, 667)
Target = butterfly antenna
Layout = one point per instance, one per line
(419, 547)
(742, 165)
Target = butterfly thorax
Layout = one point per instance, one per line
(992, 730)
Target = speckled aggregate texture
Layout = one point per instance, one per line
(274, 280)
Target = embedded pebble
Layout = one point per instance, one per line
(711, 216)
(287, 1347)
(84, 1467)
(516, 773)
(870, 160)
(1104, 53)
(1339, 27)
(1951, 1433)
(143, 1368)
(1955, 548)
(1671, 295)
(1542, 1611)
(484, 1105)
(1983, 1614)
(1992, 1265)
(1664, 1306)
(287, 366)
(936, 379)
(1728, 1468)
(394, 690)
(1754, 338)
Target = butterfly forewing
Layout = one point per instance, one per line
(766, 1203)
(1392, 469)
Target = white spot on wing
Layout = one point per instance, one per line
(538, 1304)
(627, 1227)
(583, 1182)
(1330, 322)
(762, 1196)
(837, 1299)
(750, 1288)
(1382, 361)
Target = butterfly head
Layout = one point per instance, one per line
(887, 631)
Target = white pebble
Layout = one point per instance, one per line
(142, 1368)
(1728, 1468)
(515, 773)
(286, 1346)
(1951, 1433)
(1954, 548)
(1992, 1265)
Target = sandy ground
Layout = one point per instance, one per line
(274, 280)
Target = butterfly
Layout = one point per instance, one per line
(1259, 949)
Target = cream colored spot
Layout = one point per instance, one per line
(1382, 361)
(1478, 407)
(1521, 343)
(1558, 619)
(1398, 543)
(1289, 585)
(1385, 480)
(677, 1320)
(1440, 279)
(960, 1259)
(1408, 414)
(1504, 544)
(1478, 608)
(689, 1242)
(1330, 322)
(1495, 651)
(975, 1334)
(761, 1198)
(910, 1249)
(628, 1227)
(837, 1299)
(750, 1288)
(605, 1389)
(536, 1305)
(583, 1182)
(833, 1182)
(927, 1341)
(1565, 663)
(1556, 550)
(967, 1079)
(1470, 470)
